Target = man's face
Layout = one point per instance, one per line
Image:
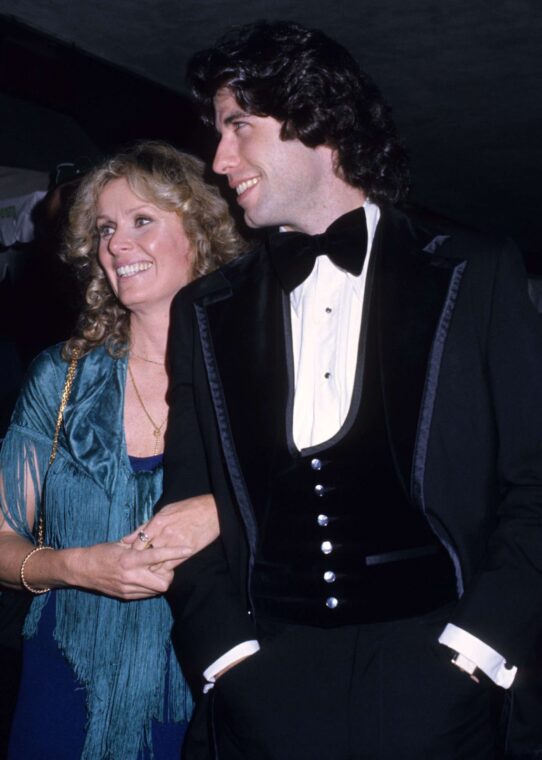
(278, 182)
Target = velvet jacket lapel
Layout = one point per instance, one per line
(241, 329)
(240, 317)
(416, 291)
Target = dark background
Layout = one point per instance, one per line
(80, 77)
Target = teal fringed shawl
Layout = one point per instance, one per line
(119, 650)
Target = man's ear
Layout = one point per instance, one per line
(335, 163)
(331, 156)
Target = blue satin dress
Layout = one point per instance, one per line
(95, 669)
(50, 717)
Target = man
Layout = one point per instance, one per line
(364, 405)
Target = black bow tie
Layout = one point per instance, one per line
(345, 242)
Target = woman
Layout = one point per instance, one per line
(99, 677)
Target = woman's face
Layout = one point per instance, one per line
(143, 250)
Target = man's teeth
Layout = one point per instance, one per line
(245, 185)
(131, 269)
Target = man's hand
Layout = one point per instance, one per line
(189, 525)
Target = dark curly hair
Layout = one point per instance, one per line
(316, 89)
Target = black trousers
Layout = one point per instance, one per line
(371, 692)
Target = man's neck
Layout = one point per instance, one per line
(340, 200)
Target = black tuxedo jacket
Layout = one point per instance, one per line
(461, 367)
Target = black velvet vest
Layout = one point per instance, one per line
(339, 540)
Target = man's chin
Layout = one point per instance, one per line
(252, 222)
(256, 219)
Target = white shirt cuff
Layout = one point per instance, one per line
(475, 654)
(239, 652)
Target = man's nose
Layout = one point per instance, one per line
(226, 156)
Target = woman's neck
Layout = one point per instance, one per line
(148, 337)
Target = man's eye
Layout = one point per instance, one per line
(105, 230)
(141, 221)
(238, 124)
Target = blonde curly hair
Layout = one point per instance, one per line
(171, 180)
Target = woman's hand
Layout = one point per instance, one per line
(108, 568)
(115, 570)
(189, 526)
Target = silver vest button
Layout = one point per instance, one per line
(326, 547)
(316, 464)
(332, 602)
(319, 489)
(329, 576)
(322, 520)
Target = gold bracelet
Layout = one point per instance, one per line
(24, 583)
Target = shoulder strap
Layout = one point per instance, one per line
(70, 374)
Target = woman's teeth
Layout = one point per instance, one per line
(131, 269)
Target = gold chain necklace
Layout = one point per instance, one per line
(157, 429)
(144, 359)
